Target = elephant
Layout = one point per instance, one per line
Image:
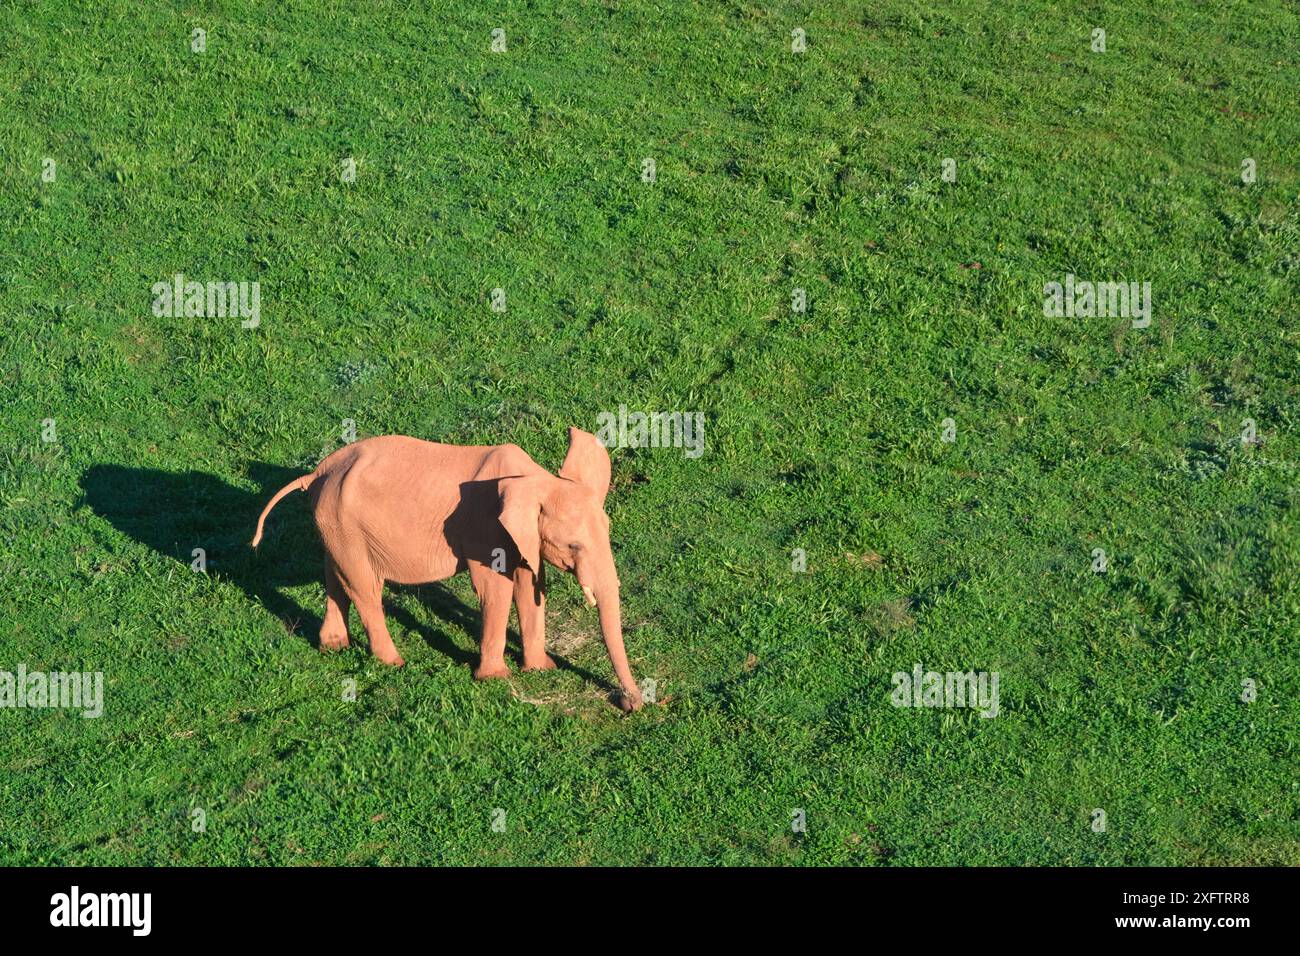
(399, 509)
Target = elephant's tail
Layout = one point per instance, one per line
(298, 484)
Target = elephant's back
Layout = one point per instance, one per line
(400, 451)
(400, 474)
(391, 496)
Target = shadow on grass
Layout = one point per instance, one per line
(175, 512)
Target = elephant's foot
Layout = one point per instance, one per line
(333, 642)
(491, 671)
(390, 657)
(545, 664)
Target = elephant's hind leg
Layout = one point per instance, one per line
(366, 590)
(334, 629)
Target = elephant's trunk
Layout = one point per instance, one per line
(611, 628)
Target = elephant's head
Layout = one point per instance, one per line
(562, 521)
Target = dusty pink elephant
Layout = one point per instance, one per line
(399, 509)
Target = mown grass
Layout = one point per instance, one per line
(522, 170)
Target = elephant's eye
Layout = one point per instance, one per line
(575, 547)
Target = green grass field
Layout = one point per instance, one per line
(774, 171)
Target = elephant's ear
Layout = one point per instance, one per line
(587, 462)
(521, 506)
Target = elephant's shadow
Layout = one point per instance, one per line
(176, 512)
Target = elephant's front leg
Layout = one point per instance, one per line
(494, 591)
(530, 599)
